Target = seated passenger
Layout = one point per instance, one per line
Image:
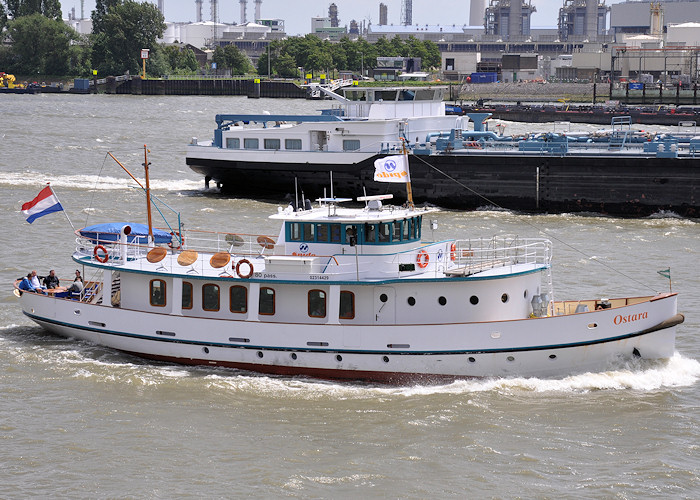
(51, 281)
(76, 287)
(26, 285)
(36, 283)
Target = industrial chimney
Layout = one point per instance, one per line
(258, 3)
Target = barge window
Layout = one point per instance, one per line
(233, 143)
(266, 303)
(187, 295)
(335, 233)
(210, 297)
(370, 233)
(351, 144)
(317, 303)
(385, 232)
(322, 233)
(251, 144)
(158, 293)
(347, 305)
(272, 144)
(292, 144)
(238, 296)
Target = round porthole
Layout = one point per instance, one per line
(206, 350)
(383, 297)
(338, 358)
(504, 298)
(510, 358)
(293, 355)
(411, 301)
(260, 354)
(385, 359)
(474, 300)
(552, 356)
(442, 301)
(472, 360)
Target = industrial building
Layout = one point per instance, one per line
(508, 19)
(582, 20)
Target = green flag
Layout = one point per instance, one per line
(666, 273)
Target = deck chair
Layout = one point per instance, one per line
(188, 258)
(219, 261)
(156, 255)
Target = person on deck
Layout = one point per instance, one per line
(36, 283)
(51, 281)
(26, 285)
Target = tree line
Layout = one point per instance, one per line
(41, 44)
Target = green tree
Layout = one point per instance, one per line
(230, 57)
(286, 66)
(123, 31)
(47, 8)
(3, 17)
(43, 46)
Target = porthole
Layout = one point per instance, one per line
(411, 301)
(442, 300)
(474, 300)
(385, 359)
(383, 297)
(472, 360)
(525, 294)
(338, 358)
(552, 356)
(591, 326)
(260, 354)
(504, 298)
(206, 350)
(293, 355)
(510, 358)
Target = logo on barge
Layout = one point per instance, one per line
(620, 319)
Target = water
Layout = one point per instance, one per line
(79, 420)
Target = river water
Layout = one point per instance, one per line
(82, 421)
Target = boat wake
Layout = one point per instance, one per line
(93, 182)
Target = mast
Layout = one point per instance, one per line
(409, 191)
(148, 195)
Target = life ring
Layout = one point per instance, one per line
(422, 259)
(453, 251)
(180, 238)
(238, 269)
(96, 253)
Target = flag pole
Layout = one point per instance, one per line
(409, 191)
(59, 201)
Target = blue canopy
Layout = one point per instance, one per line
(111, 231)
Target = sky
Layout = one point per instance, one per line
(297, 14)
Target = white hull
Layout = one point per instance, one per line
(564, 344)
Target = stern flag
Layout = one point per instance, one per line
(45, 203)
(391, 169)
(666, 273)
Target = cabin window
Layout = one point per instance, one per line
(384, 232)
(406, 229)
(335, 233)
(292, 144)
(350, 233)
(266, 303)
(396, 235)
(317, 303)
(370, 233)
(309, 231)
(272, 144)
(322, 233)
(351, 144)
(233, 143)
(251, 144)
(294, 231)
(418, 227)
(347, 305)
(210, 297)
(158, 293)
(187, 295)
(238, 296)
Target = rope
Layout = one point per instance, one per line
(543, 231)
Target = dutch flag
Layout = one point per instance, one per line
(44, 204)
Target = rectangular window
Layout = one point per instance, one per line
(413, 229)
(238, 296)
(335, 233)
(250, 144)
(233, 143)
(186, 295)
(350, 235)
(322, 233)
(266, 304)
(294, 231)
(272, 144)
(418, 226)
(158, 293)
(406, 229)
(397, 230)
(351, 144)
(210, 297)
(292, 144)
(370, 233)
(347, 305)
(309, 231)
(317, 303)
(384, 232)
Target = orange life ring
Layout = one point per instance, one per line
(180, 238)
(96, 253)
(422, 259)
(238, 269)
(453, 251)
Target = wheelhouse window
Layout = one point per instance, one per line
(396, 236)
(272, 144)
(238, 297)
(266, 303)
(347, 305)
(406, 229)
(294, 232)
(322, 232)
(351, 144)
(370, 233)
(335, 233)
(157, 293)
(210, 297)
(317, 303)
(233, 143)
(187, 295)
(309, 231)
(251, 144)
(351, 233)
(384, 234)
(292, 144)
